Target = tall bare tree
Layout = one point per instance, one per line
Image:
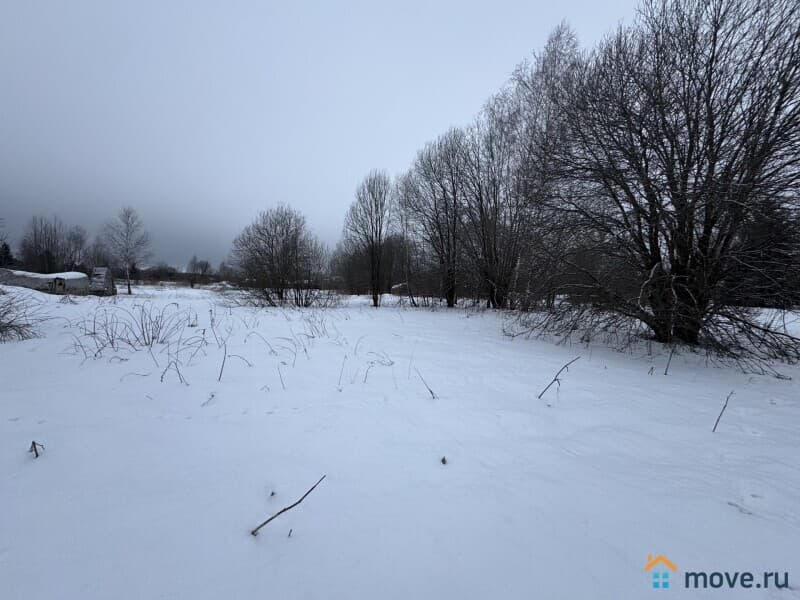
(684, 127)
(127, 241)
(75, 242)
(538, 90)
(43, 245)
(367, 225)
(496, 211)
(431, 197)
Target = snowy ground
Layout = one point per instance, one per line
(149, 488)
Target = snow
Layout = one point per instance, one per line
(148, 489)
(64, 275)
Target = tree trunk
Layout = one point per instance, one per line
(677, 312)
(375, 276)
(450, 287)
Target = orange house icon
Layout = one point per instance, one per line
(659, 567)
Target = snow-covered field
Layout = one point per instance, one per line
(148, 486)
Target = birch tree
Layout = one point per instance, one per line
(127, 241)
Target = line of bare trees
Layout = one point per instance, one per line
(651, 182)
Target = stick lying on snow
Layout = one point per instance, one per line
(724, 406)
(556, 379)
(291, 506)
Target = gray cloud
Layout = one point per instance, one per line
(200, 114)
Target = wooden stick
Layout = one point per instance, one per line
(291, 506)
(556, 379)
(724, 406)
(669, 360)
(35, 448)
(224, 358)
(425, 383)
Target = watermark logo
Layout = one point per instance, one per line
(661, 571)
(662, 575)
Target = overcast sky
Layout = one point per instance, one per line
(202, 113)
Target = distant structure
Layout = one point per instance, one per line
(70, 282)
(102, 282)
(400, 289)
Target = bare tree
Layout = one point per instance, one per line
(431, 198)
(198, 269)
(278, 256)
(367, 225)
(683, 128)
(6, 257)
(203, 268)
(496, 211)
(75, 242)
(97, 254)
(538, 91)
(127, 241)
(43, 245)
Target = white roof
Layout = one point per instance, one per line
(64, 275)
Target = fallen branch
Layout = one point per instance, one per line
(724, 406)
(556, 379)
(425, 383)
(291, 506)
(35, 448)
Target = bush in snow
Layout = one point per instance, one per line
(17, 317)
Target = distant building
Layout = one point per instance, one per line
(400, 289)
(70, 282)
(102, 282)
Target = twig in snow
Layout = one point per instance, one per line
(283, 385)
(242, 358)
(263, 339)
(341, 371)
(556, 379)
(669, 360)
(425, 383)
(291, 506)
(224, 358)
(35, 448)
(411, 360)
(173, 364)
(131, 374)
(150, 351)
(724, 406)
(355, 350)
